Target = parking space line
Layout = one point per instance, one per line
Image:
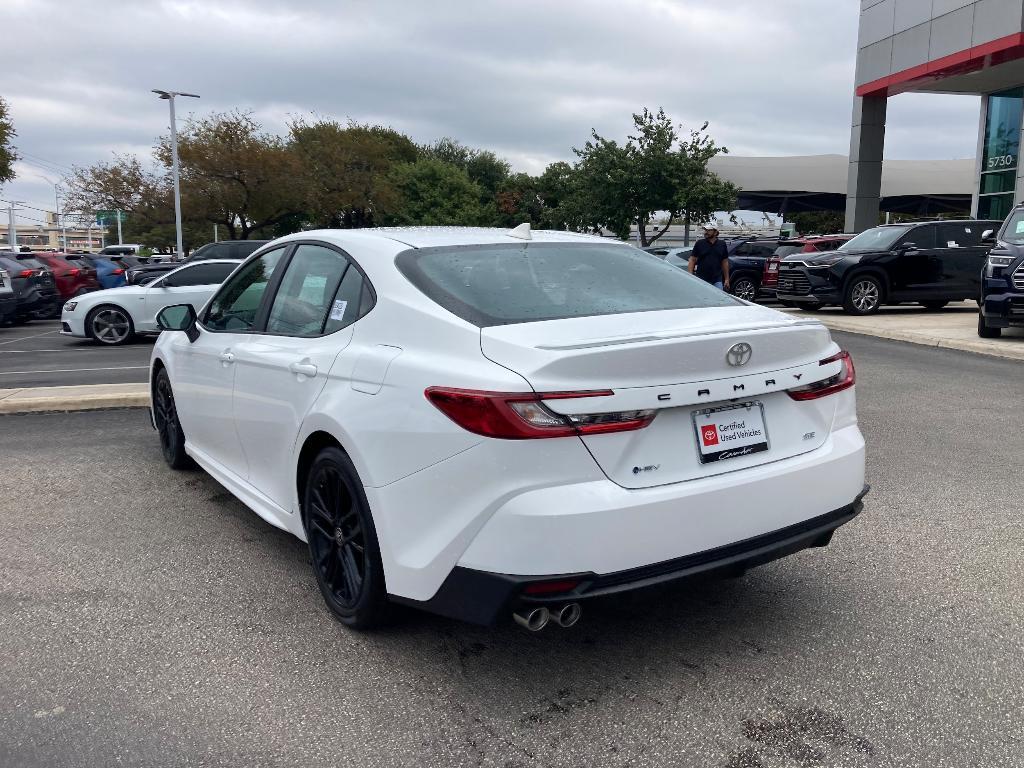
(35, 336)
(80, 370)
(65, 349)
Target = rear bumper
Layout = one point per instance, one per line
(616, 537)
(483, 598)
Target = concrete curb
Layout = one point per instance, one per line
(83, 398)
(1011, 349)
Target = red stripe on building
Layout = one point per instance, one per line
(971, 60)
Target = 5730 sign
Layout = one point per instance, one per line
(1002, 161)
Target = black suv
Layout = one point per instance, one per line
(225, 249)
(1002, 280)
(932, 263)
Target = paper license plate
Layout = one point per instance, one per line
(730, 432)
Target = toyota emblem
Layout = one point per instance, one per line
(739, 354)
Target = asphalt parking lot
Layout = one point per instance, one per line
(36, 355)
(149, 619)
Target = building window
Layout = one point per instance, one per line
(1001, 153)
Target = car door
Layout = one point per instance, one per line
(916, 273)
(194, 285)
(962, 258)
(203, 375)
(282, 369)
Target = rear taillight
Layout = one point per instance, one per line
(117, 272)
(845, 379)
(523, 415)
(25, 273)
(74, 272)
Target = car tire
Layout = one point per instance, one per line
(986, 331)
(745, 289)
(165, 418)
(343, 541)
(934, 305)
(110, 325)
(863, 295)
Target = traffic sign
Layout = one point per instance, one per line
(103, 218)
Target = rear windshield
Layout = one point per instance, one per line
(29, 263)
(876, 239)
(785, 250)
(505, 284)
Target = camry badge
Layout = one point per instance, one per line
(739, 354)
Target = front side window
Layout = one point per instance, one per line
(503, 284)
(875, 239)
(306, 298)
(923, 238)
(235, 306)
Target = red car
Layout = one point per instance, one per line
(816, 244)
(72, 276)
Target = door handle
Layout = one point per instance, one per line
(227, 357)
(303, 369)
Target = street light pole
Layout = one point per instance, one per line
(169, 96)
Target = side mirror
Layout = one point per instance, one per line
(988, 237)
(179, 317)
(905, 247)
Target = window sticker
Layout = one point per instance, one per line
(952, 244)
(338, 310)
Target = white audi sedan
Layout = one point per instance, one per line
(489, 423)
(115, 315)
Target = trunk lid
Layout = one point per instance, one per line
(675, 362)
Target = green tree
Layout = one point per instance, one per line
(483, 167)
(235, 175)
(817, 222)
(434, 192)
(655, 175)
(347, 170)
(7, 154)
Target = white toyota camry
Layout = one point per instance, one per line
(486, 423)
(113, 316)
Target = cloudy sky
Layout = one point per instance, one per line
(526, 78)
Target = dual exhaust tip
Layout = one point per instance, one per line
(535, 619)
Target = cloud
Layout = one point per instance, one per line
(528, 79)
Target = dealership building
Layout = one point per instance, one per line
(940, 46)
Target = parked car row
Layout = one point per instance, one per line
(226, 249)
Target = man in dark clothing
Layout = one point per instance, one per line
(709, 260)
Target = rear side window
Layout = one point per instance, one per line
(505, 284)
(306, 297)
(201, 274)
(961, 235)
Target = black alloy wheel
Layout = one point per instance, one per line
(343, 541)
(165, 416)
(745, 289)
(863, 295)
